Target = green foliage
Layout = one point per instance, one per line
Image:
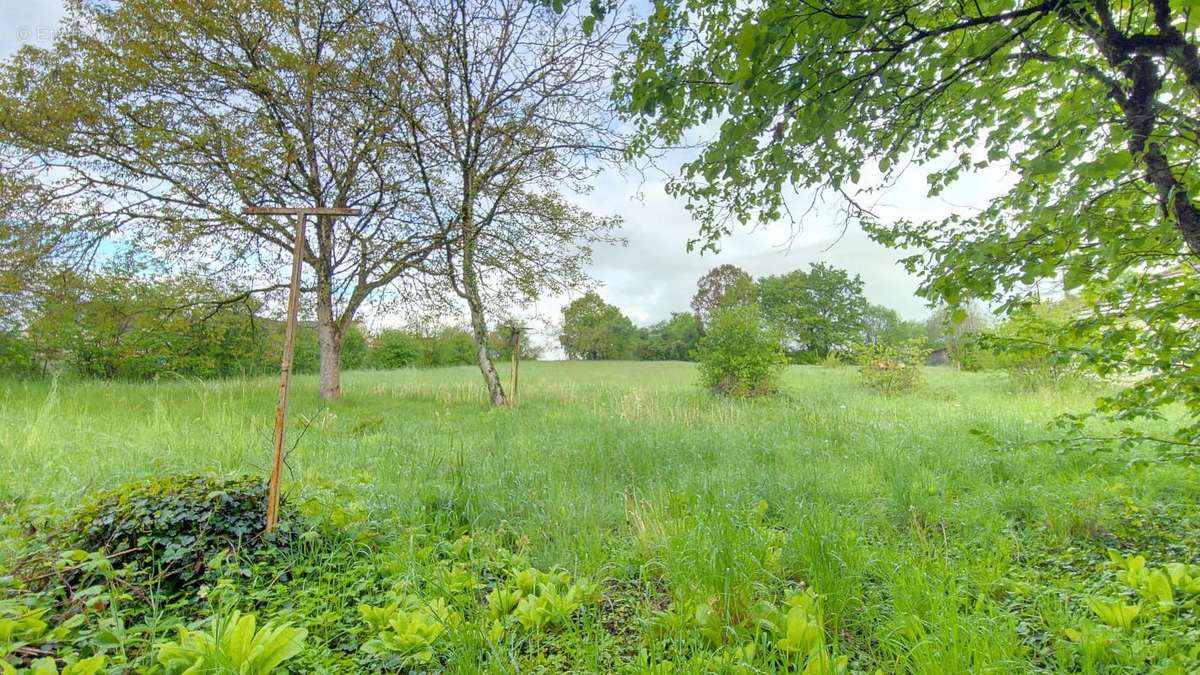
(959, 332)
(233, 645)
(672, 340)
(818, 311)
(406, 631)
(1035, 345)
(881, 324)
(408, 348)
(722, 286)
(18, 355)
(740, 354)
(393, 348)
(891, 369)
(449, 347)
(354, 348)
(306, 354)
(121, 323)
(543, 600)
(25, 631)
(595, 330)
(172, 525)
(1103, 196)
(48, 666)
(1150, 633)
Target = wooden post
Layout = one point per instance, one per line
(516, 364)
(285, 377)
(289, 348)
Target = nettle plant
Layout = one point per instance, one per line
(1159, 629)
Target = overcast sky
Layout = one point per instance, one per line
(655, 274)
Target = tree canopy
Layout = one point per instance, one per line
(595, 330)
(818, 311)
(672, 340)
(722, 286)
(454, 126)
(883, 325)
(503, 108)
(1091, 104)
(247, 104)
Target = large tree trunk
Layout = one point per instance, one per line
(329, 341)
(470, 292)
(329, 329)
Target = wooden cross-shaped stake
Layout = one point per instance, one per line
(289, 343)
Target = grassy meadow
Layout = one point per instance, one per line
(928, 548)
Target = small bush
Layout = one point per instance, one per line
(891, 369)
(18, 356)
(172, 524)
(395, 349)
(740, 354)
(354, 348)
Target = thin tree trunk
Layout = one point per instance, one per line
(490, 377)
(470, 292)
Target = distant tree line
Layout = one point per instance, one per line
(817, 313)
(120, 323)
(820, 315)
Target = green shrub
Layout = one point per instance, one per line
(971, 354)
(740, 354)
(404, 348)
(18, 356)
(122, 323)
(395, 349)
(450, 347)
(891, 369)
(354, 348)
(833, 359)
(1036, 345)
(172, 524)
(306, 354)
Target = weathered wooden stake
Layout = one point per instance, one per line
(516, 364)
(289, 346)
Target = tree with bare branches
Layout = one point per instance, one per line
(503, 107)
(168, 117)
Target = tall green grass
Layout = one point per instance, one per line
(911, 528)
